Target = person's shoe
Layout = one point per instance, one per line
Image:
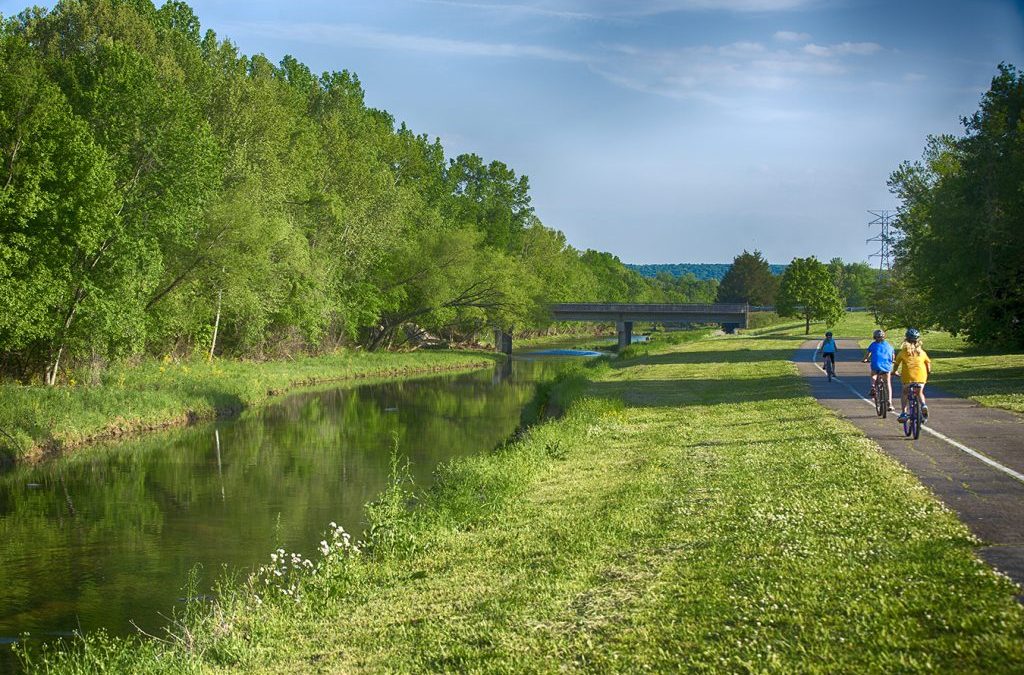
(902, 417)
(924, 413)
(891, 409)
(871, 392)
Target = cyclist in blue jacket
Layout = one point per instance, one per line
(881, 354)
(828, 350)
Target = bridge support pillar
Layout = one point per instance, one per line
(625, 329)
(503, 342)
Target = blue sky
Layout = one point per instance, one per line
(664, 130)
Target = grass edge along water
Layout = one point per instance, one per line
(38, 421)
(693, 509)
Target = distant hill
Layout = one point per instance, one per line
(702, 271)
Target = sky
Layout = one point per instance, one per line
(664, 130)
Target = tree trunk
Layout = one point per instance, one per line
(216, 324)
(807, 328)
(53, 368)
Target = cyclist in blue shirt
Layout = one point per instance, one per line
(828, 350)
(881, 354)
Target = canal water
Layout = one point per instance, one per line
(107, 537)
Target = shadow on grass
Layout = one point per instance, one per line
(710, 356)
(984, 381)
(700, 391)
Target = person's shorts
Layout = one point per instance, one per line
(880, 372)
(907, 385)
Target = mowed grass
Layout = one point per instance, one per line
(693, 510)
(154, 394)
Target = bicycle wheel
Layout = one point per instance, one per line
(829, 370)
(879, 403)
(883, 396)
(907, 429)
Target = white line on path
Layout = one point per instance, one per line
(956, 444)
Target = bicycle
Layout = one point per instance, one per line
(912, 425)
(881, 397)
(830, 365)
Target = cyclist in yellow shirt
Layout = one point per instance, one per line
(914, 366)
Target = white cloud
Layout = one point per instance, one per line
(722, 75)
(649, 7)
(843, 49)
(619, 9)
(351, 34)
(516, 9)
(791, 36)
(817, 50)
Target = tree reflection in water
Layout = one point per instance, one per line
(108, 536)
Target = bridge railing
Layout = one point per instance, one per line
(715, 308)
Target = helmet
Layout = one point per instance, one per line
(879, 333)
(913, 335)
(828, 334)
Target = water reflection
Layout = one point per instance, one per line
(107, 537)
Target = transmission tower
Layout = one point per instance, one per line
(885, 238)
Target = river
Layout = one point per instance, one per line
(107, 537)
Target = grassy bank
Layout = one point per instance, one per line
(35, 419)
(694, 509)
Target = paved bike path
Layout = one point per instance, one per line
(989, 499)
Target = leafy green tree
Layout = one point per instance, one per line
(61, 223)
(157, 183)
(808, 291)
(897, 301)
(837, 270)
(859, 284)
(491, 197)
(749, 280)
(961, 215)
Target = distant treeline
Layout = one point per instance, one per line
(161, 192)
(700, 271)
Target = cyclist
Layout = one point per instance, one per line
(915, 366)
(880, 353)
(828, 350)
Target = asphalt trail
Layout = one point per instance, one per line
(988, 497)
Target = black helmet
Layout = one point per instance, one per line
(913, 335)
(828, 334)
(878, 334)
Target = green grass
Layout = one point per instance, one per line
(694, 509)
(156, 394)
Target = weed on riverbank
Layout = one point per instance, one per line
(694, 509)
(155, 394)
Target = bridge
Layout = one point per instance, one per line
(729, 316)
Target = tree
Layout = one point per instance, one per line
(491, 197)
(860, 281)
(808, 291)
(156, 182)
(749, 280)
(962, 221)
(61, 224)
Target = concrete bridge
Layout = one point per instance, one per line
(730, 317)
